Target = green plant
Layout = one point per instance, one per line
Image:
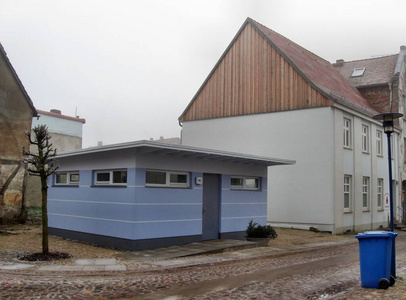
(254, 230)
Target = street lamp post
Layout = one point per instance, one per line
(388, 127)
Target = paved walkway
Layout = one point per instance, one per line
(169, 256)
(197, 248)
(94, 264)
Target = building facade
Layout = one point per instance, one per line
(144, 194)
(16, 113)
(66, 134)
(267, 95)
(382, 80)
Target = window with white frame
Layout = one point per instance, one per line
(365, 193)
(379, 145)
(244, 183)
(110, 177)
(166, 179)
(358, 72)
(380, 194)
(67, 178)
(347, 133)
(347, 193)
(365, 138)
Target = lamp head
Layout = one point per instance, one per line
(387, 120)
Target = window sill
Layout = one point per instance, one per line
(366, 152)
(167, 187)
(65, 185)
(380, 210)
(242, 189)
(348, 211)
(347, 148)
(366, 210)
(108, 185)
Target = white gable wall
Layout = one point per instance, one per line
(309, 193)
(301, 194)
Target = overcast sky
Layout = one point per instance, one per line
(131, 67)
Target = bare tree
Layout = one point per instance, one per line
(42, 164)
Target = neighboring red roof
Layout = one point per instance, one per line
(77, 119)
(316, 70)
(378, 70)
(17, 79)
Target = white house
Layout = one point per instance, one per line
(267, 94)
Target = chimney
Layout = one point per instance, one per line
(99, 143)
(56, 111)
(403, 47)
(339, 63)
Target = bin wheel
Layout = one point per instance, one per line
(383, 283)
(392, 280)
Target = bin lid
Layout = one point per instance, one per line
(376, 234)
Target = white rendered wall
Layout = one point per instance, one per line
(300, 195)
(59, 125)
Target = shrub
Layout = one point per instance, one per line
(254, 230)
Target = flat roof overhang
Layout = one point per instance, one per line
(182, 151)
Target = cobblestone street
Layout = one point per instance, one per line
(323, 272)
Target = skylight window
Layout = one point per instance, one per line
(358, 72)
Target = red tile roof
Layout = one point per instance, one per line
(317, 71)
(378, 70)
(77, 119)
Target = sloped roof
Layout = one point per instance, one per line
(3, 54)
(178, 150)
(316, 71)
(378, 70)
(56, 115)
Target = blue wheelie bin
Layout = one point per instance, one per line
(375, 249)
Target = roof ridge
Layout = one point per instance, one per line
(281, 35)
(371, 58)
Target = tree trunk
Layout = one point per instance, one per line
(44, 191)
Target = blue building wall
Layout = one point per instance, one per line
(137, 212)
(240, 206)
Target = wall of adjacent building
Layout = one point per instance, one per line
(300, 195)
(311, 192)
(66, 134)
(15, 121)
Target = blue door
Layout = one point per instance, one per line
(210, 211)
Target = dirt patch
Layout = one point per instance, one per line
(290, 237)
(26, 239)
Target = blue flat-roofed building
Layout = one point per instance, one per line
(145, 194)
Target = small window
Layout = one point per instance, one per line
(166, 179)
(347, 193)
(358, 72)
(347, 133)
(365, 193)
(379, 150)
(237, 182)
(245, 183)
(380, 194)
(67, 178)
(365, 139)
(116, 177)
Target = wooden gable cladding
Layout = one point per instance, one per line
(252, 77)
